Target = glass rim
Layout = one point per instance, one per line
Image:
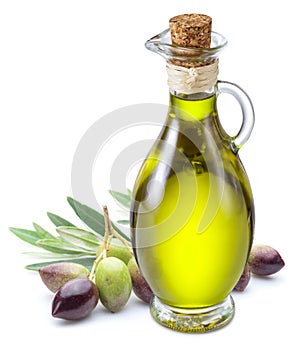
(162, 45)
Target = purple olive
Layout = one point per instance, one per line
(244, 279)
(139, 285)
(56, 275)
(265, 260)
(75, 299)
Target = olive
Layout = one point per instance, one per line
(244, 279)
(114, 283)
(121, 253)
(139, 285)
(265, 260)
(75, 299)
(56, 275)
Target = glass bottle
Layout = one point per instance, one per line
(192, 213)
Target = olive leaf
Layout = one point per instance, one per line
(123, 222)
(80, 238)
(42, 232)
(57, 246)
(124, 199)
(85, 261)
(50, 255)
(59, 221)
(92, 218)
(89, 216)
(28, 236)
(72, 243)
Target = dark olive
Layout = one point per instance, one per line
(265, 260)
(244, 279)
(75, 299)
(139, 285)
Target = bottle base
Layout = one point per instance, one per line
(193, 320)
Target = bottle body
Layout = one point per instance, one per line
(192, 213)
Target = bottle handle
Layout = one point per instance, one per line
(237, 141)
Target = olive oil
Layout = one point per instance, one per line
(192, 212)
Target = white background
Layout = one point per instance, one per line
(63, 65)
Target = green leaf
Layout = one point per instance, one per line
(80, 238)
(51, 255)
(92, 218)
(89, 216)
(124, 212)
(42, 232)
(59, 221)
(120, 232)
(122, 198)
(28, 236)
(86, 261)
(62, 247)
(123, 222)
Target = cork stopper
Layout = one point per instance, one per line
(190, 71)
(191, 30)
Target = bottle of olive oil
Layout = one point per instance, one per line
(192, 214)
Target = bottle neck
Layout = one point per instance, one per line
(192, 78)
(193, 107)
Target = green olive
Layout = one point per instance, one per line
(114, 283)
(120, 252)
